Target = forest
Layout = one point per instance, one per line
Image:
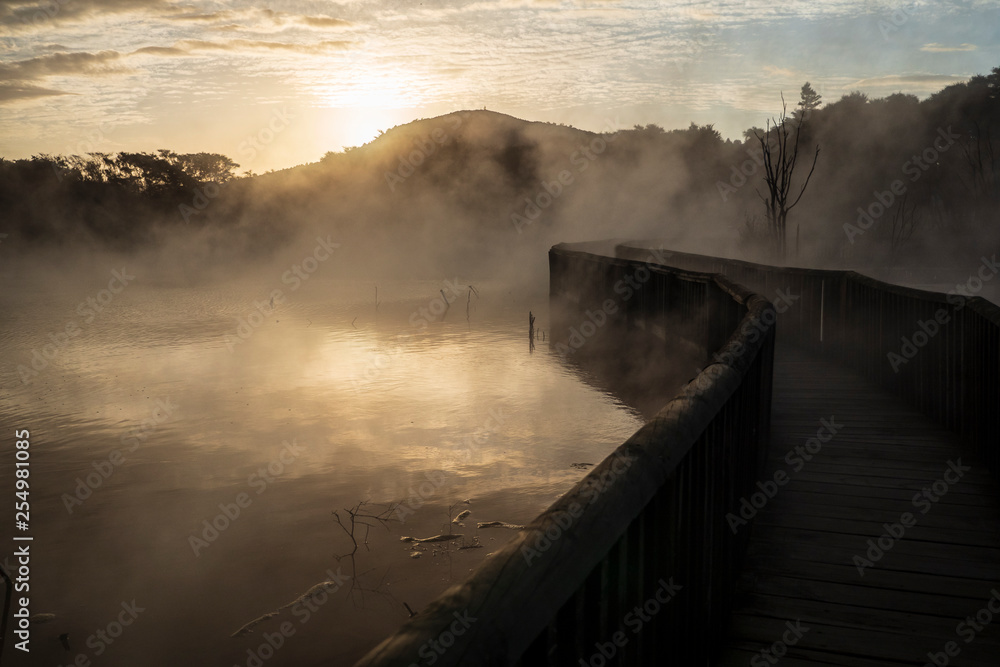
(878, 182)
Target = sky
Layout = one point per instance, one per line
(277, 84)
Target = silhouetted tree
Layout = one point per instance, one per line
(780, 161)
(809, 100)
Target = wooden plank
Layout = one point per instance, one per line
(783, 551)
(865, 530)
(831, 494)
(855, 642)
(941, 516)
(803, 542)
(741, 657)
(972, 589)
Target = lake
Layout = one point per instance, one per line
(189, 446)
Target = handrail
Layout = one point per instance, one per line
(940, 352)
(651, 494)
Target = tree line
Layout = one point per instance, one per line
(858, 179)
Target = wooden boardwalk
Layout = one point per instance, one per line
(801, 566)
(877, 542)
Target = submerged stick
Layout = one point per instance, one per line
(468, 300)
(531, 332)
(436, 538)
(447, 305)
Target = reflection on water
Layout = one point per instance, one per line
(156, 420)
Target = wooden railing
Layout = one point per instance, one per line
(940, 352)
(635, 562)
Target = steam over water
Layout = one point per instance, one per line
(144, 422)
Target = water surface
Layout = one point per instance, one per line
(327, 402)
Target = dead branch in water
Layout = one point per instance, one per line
(468, 300)
(358, 517)
(447, 305)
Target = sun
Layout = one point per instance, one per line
(364, 102)
(361, 125)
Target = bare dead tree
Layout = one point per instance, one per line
(980, 157)
(983, 179)
(754, 235)
(780, 160)
(904, 222)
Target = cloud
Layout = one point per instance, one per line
(264, 20)
(18, 16)
(60, 64)
(934, 47)
(196, 17)
(165, 51)
(543, 4)
(88, 64)
(779, 71)
(18, 79)
(323, 22)
(188, 45)
(908, 82)
(15, 92)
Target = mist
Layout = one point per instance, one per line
(898, 183)
(373, 307)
